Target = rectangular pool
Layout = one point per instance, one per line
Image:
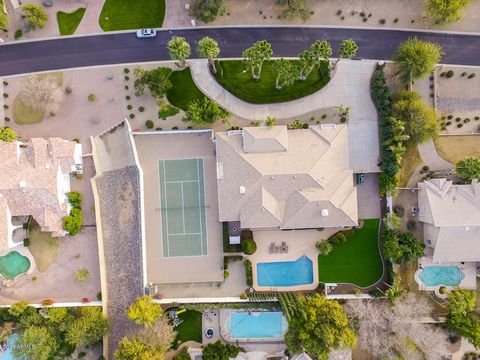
(256, 325)
(285, 273)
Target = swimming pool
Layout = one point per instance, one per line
(441, 275)
(256, 325)
(6, 351)
(285, 273)
(13, 264)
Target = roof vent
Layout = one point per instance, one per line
(242, 189)
(271, 177)
(467, 228)
(22, 184)
(47, 166)
(324, 212)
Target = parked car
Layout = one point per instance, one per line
(146, 33)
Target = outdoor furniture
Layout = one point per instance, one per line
(284, 246)
(270, 249)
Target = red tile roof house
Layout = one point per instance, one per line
(35, 178)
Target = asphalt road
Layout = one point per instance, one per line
(115, 48)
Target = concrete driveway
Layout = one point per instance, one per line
(368, 198)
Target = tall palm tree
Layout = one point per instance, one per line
(208, 48)
(179, 49)
(255, 55)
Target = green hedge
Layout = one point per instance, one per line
(248, 272)
(73, 222)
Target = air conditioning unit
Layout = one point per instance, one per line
(324, 212)
(242, 190)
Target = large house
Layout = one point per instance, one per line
(35, 178)
(451, 220)
(274, 178)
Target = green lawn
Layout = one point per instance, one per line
(190, 328)
(183, 89)
(128, 14)
(25, 115)
(357, 261)
(68, 22)
(231, 75)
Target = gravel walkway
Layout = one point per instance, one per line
(458, 105)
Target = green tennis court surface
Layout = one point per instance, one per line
(183, 207)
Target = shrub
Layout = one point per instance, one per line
(395, 20)
(338, 238)
(476, 118)
(5, 106)
(382, 21)
(127, 78)
(450, 117)
(5, 95)
(126, 70)
(324, 247)
(463, 74)
(26, 242)
(129, 107)
(5, 82)
(457, 119)
(471, 76)
(127, 97)
(324, 116)
(459, 125)
(73, 222)
(82, 354)
(248, 272)
(47, 302)
(305, 126)
(411, 225)
(426, 168)
(35, 15)
(312, 118)
(248, 244)
(175, 128)
(399, 210)
(131, 116)
(442, 290)
(92, 97)
(343, 119)
(68, 90)
(18, 34)
(126, 87)
(149, 124)
(75, 198)
(339, 12)
(99, 296)
(243, 296)
(167, 110)
(226, 274)
(82, 276)
(141, 109)
(448, 123)
(449, 74)
(466, 120)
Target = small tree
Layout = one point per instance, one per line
(7, 134)
(204, 111)
(219, 351)
(41, 93)
(270, 121)
(156, 80)
(18, 308)
(401, 248)
(462, 316)
(35, 15)
(179, 49)
(446, 11)
(82, 276)
(73, 222)
(255, 55)
(88, 328)
(208, 10)
(35, 343)
(392, 221)
(4, 20)
(468, 168)
(208, 48)
(348, 49)
(324, 247)
(144, 311)
(395, 292)
(416, 58)
(319, 51)
(286, 73)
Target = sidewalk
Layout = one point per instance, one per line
(429, 155)
(350, 86)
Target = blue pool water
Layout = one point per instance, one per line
(6, 351)
(441, 275)
(256, 325)
(286, 273)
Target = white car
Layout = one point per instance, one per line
(146, 33)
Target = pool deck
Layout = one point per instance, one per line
(469, 282)
(300, 243)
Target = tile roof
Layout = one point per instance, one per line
(451, 214)
(30, 180)
(278, 178)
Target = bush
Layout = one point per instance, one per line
(18, 34)
(442, 290)
(127, 97)
(382, 21)
(411, 225)
(324, 116)
(149, 124)
(450, 117)
(339, 12)
(243, 296)
(466, 120)
(471, 76)
(26, 242)
(248, 245)
(248, 272)
(131, 116)
(92, 97)
(448, 123)
(5, 95)
(338, 238)
(75, 198)
(47, 302)
(167, 110)
(183, 354)
(82, 354)
(324, 247)
(458, 119)
(82, 276)
(5, 106)
(426, 168)
(459, 125)
(127, 78)
(126, 70)
(73, 222)
(226, 274)
(141, 109)
(68, 90)
(126, 87)
(464, 74)
(476, 118)
(35, 15)
(129, 107)
(449, 74)
(5, 82)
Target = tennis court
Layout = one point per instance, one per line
(183, 207)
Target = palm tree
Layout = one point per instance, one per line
(348, 49)
(179, 49)
(468, 168)
(208, 48)
(286, 73)
(319, 51)
(255, 55)
(270, 121)
(395, 292)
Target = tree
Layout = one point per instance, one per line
(325, 329)
(319, 51)
(179, 49)
(4, 20)
(392, 221)
(395, 292)
(208, 10)
(35, 15)
(56, 314)
(149, 343)
(324, 247)
(35, 343)
(348, 49)
(144, 311)
(75, 198)
(156, 80)
(468, 168)
(204, 111)
(401, 248)
(88, 328)
(220, 351)
(18, 308)
(446, 11)
(41, 93)
(416, 58)
(73, 222)
(296, 8)
(286, 73)
(462, 317)
(208, 48)
(270, 121)
(255, 55)
(419, 119)
(182, 355)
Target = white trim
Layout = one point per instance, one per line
(62, 304)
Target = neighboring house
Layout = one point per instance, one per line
(451, 220)
(271, 178)
(35, 178)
